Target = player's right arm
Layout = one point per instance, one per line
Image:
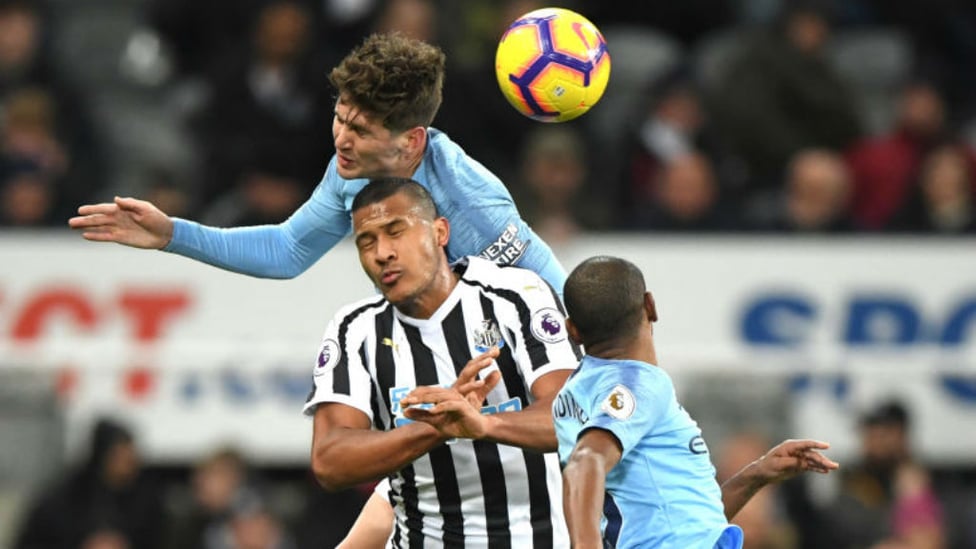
(584, 484)
(270, 251)
(345, 452)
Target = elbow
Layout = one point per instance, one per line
(328, 477)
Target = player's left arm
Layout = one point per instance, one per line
(597, 451)
(784, 461)
(456, 417)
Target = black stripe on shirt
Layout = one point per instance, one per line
(493, 486)
(441, 458)
(385, 365)
(411, 508)
(539, 504)
(340, 374)
(374, 401)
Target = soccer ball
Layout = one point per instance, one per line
(552, 64)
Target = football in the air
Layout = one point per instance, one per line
(552, 64)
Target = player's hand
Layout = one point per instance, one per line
(446, 410)
(793, 457)
(128, 221)
(475, 390)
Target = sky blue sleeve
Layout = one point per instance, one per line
(271, 251)
(648, 398)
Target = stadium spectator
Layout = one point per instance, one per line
(886, 500)
(686, 199)
(676, 124)
(882, 167)
(637, 471)
(269, 100)
(106, 503)
(389, 92)
(943, 200)
(384, 359)
(52, 116)
(781, 95)
(552, 191)
(816, 195)
(219, 483)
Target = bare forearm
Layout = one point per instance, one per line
(352, 456)
(583, 489)
(532, 428)
(738, 490)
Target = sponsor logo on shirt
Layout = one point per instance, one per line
(548, 325)
(328, 357)
(507, 248)
(487, 336)
(620, 403)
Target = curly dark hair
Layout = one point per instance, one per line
(397, 80)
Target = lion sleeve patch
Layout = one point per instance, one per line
(620, 403)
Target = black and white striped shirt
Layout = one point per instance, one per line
(465, 493)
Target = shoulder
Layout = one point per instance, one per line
(444, 153)
(494, 277)
(363, 308)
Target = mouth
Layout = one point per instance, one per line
(344, 161)
(388, 278)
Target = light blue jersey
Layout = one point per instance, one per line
(484, 222)
(663, 493)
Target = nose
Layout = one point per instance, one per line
(340, 135)
(385, 251)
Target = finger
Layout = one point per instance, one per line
(474, 386)
(91, 209)
(422, 395)
(129, 204)
(806, 444)
(89, 221)
(476, 365)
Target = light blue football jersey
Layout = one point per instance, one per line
(663, 493)
(483, 217)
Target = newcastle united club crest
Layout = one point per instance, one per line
(487, 336)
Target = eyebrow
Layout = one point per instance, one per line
(355, 126)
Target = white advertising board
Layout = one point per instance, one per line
(194, 357)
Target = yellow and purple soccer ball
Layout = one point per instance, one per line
(552, 64)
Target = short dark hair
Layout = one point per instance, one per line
(604, 297)
(396, 79)
(382, 188)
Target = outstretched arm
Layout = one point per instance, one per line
(584, 483)
(269, 251)
(784, 461)
(128, 221)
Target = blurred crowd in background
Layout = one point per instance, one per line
(772, 116)
(829, 116)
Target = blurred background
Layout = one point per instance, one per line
(797, 180)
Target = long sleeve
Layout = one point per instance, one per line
(270, 251)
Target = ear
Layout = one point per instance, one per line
(442, 231)
(573, 332)
(649, 307)
(414, 140)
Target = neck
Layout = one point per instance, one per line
(638, 346)
(426, 303)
